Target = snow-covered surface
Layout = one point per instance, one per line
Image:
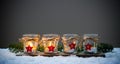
(7, 57)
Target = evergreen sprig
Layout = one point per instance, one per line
(60, 47)
(16, 47)
(40, 48)
(104, 47)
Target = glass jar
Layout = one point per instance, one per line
(90, 43)
(30, 42)
(50, 43)
(70, 42)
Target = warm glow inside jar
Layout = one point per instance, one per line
(90, 43)
(50, 42)
(70, 42)
(30, 42)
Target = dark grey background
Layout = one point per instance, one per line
(60, 16)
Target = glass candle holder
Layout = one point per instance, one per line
(50, 43)
(30, 42)
(90, 43)
(70, 42)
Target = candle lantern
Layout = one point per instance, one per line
(70, 42)
(30, 42)
(50, 42)
(90, 43)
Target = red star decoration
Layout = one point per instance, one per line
(51, 48)
(29, 48)
(72, 45)
(88, 46)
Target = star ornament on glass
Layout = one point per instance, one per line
(88, 46)
(51, 48)
(29, 48)
(72, 45)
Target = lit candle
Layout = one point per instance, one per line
(51, 47)
(90, 43)
(30, 42)
(50, 42)
(70, 42)
(29, 47)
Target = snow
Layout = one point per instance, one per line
(7, 57)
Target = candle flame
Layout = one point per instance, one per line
(50, 43)
(30, 43)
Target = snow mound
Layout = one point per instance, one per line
(6, 57)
